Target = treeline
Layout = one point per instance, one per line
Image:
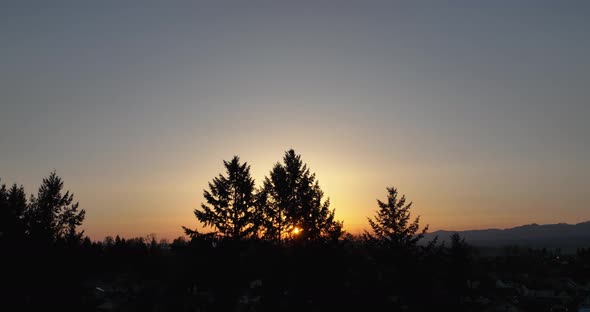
(49, 217)
(289, 206)
(283, 234)
(275, 247)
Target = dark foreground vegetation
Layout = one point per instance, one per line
(276, 248)
(221, 275)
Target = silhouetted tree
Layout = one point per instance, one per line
(52, 216)
(230, 199)
(460, 265)
(459, 248)
(108, 241)
(293, 206)
(4, 213)
(272, 202)
(392, 224)
(13, 203)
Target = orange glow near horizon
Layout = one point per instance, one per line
(351, 182)
(472, 135)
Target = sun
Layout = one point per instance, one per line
(297, 230)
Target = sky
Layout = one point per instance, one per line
(476, 111)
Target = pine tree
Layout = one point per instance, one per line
(294, 207)
(391, 224)
(4, 211)
(16, 203)
(231, 203)
(273, 204)
(52, 216)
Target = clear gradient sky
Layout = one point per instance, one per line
(478, 112)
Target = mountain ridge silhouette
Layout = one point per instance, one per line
(555, 235)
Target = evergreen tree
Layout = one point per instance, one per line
(459, 267)
(4, 211)
(294, 207)
(231, 203)
(392, 225)
(52, 216)
(16, 204)
(272, 202)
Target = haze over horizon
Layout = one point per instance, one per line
(478, 112)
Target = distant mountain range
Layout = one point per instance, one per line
(561, 235)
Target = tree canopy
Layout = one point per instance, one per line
(289, 204)
(294, 207)
(46, 218)
(392, 223)
(52, 216)
(13, 204)
(230, 208)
